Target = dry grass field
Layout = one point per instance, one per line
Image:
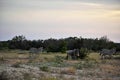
(18, 65)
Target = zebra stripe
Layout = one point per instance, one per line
(105, 52)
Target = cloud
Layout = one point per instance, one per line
(55, 5)
(59, 18)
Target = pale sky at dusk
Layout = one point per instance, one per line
(43, 19)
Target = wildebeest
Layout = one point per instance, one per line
(105, 52)
(72, 53)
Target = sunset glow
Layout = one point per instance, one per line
(37, 19)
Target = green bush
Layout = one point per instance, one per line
(83, 53)
(44, 68)
(58, 59)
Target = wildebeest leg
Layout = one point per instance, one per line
(111, 56)
(102, 56)
(72, 56)
(75, 56)
(100, 53)
(67, 56)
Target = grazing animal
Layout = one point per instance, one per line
(34, 51)
(40, 49)
(72, 53)
(105, 52)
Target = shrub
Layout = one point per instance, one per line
(79, 66)
(58, 59)
(16, 65)
(83, 53)
(44, 68)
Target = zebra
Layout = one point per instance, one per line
(40, 50)
(105, 52)
(33, 51)
(72, 53)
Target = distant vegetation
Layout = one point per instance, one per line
(60, 45)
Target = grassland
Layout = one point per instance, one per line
(54, 66)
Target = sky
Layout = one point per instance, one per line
(43, 19)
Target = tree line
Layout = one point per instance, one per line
(60, 45)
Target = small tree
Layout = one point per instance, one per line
(19, 42)
(63, 47)
(83, 53)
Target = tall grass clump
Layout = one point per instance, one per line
(2, 58)
(44, 68)
(58, 59)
